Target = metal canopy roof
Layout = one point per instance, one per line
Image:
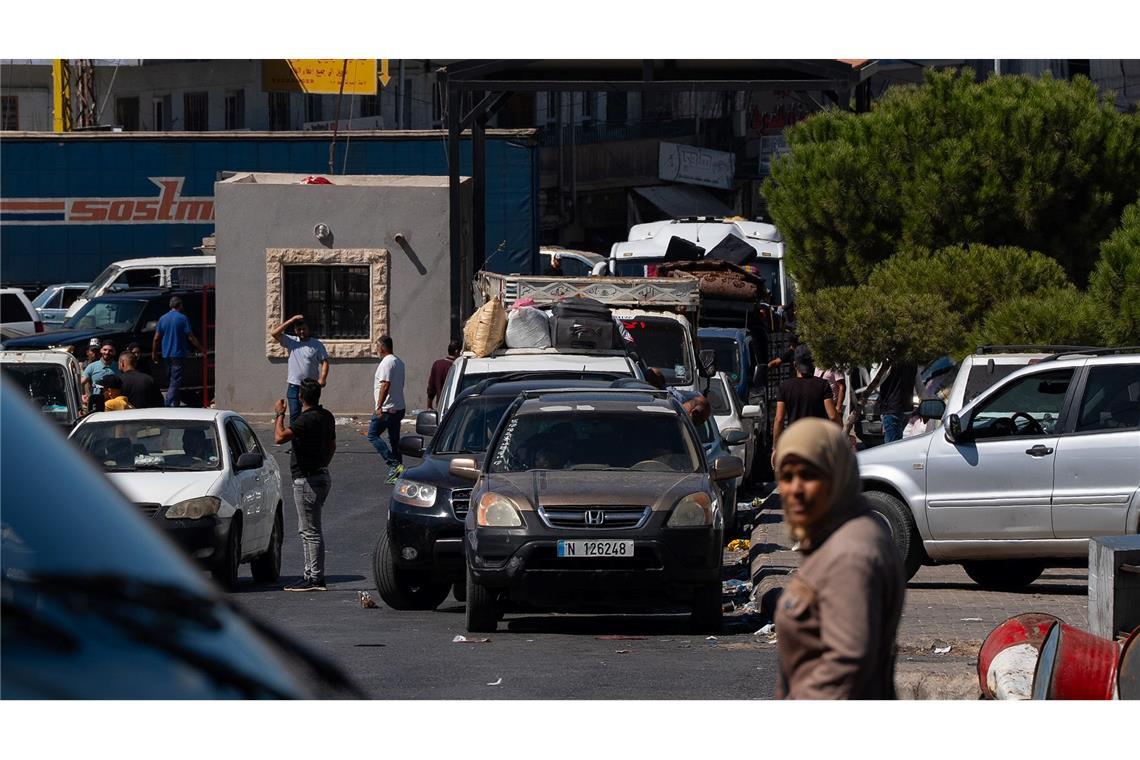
(496, 80)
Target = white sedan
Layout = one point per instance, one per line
(203, 476)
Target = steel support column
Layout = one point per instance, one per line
(479, 191)
(455, 200)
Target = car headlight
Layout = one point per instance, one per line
(194, 509)
(495, 511)
(416, 494)
(692, 511)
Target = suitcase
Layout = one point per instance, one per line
(582, 323)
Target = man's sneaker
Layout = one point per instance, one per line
(307, 584)
(394, 474)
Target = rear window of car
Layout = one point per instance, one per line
(12, 309)
(470, 424)
(727, 355)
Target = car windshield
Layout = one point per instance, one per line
(654, 441)
(632, 267)
(661, 343)
(137, 445)
(727, 355)
(45, 385)
(105, 278)
(107, 315)
(470, 425)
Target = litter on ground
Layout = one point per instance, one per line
(461, 639)
(942, 650)
(496, 683)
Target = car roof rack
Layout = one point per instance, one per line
(1027, 348)
(638, 391)
(1111, 351)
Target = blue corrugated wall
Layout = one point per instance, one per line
(118, 165)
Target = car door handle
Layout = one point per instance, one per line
(1039, 451)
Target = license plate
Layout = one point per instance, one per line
(595, 549)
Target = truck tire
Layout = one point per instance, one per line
(482, 607)
(898, 519)
(399, 588)
(1004, 575)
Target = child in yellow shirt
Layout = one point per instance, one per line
(114, 400)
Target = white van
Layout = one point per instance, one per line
(155, 272)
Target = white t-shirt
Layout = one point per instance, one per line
(833, 378)
(392, 370)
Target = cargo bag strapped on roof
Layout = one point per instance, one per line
(486, 329)
(582, 323)
(528, 327)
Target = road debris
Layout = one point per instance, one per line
(942, 650)
(344, 420)
(623, 651)
(739, 544)
(971, 620)
(768, 630)
(461, 639)
(496, 683)
(366, 601)
(620, 637)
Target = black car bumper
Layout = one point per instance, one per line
(668, 565)
(203, 539)
(434, 534)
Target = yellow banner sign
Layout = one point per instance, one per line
(320, 76)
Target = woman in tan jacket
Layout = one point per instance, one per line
(837, 618)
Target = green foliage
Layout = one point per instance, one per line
(1063, 316)
(1041, 164)
(862, 325)
(1114, 287)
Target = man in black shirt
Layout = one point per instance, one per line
(896, 399)
(802, 396)
(313, 434)
(139, 387)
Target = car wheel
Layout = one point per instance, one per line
(482, 607)
(403, 589)
(1004, 575)
(708, 612)
(266, 567)
(896, 516)
(459, 590)
(225, 570)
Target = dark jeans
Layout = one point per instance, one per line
(389, 421)
(893, 425)
(292, 395)
(175, 363)
(309, 494)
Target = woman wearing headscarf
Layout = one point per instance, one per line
(837, 618)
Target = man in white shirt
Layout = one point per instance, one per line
(388, 394)
(308, 360)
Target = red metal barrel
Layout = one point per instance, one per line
(1128, 672)
(1075, 665)
(1027, 628)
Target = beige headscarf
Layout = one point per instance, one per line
(824, 445)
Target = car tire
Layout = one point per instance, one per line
(482, 607)
(897, 517)
(708, 612)
(402, 589)
(1004, 575)
(225, 570)
(266, 567)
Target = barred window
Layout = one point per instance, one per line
(10, 112)
(235, 109)
(279, 116)
(195, 106)
(334, 299)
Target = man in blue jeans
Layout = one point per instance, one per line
(896, 399)
(174, 332)
(308, 359)
(388, 393)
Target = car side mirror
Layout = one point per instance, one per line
(726, 468)
(250, 460)
(750, 410)
(931, 409)
(464, 468)
(954, 431)
(427, 423)
(412, 445)
(708, 362)
(735, 437)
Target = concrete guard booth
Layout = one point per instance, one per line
(362, 257)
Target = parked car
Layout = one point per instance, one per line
(132, 316)
(419, 552)
(50, 379)
(201, 475)
(98, 605)
(594, 499)
(149, 274)
(17, 315)
(1020, 478)
(53, 302)
(733, 418)
(736, 355)
(716, 445)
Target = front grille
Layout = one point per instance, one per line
(461, 502)
(607, 518)
(147, 508)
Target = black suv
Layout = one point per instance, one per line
(594, 499)
(419, 554)
(130, 317)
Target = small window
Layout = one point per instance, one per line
(12, 309)
(160, 113)
(249, 441)
(192, 277)
(195, 116)
(1112, 399)
(127, 113)
(137, 278)
(53, 302)
(407, 92)
(587, 106)
(334, 299)
(279, 116)
(69, 295)
(233, 441)
(1030, 405)
(10, 112)
(370, 105)
(235, 109)
(314, 110)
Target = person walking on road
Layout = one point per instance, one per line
(439, 372)
(313, 434)
(896, 398)
(308, 359)
(139, 387)
(388, 394)
(94, 373)
(837, 618)
(174, 335)
(802, 396)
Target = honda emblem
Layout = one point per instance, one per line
(595, 516)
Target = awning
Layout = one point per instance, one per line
(682, 200)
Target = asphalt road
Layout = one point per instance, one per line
(412, 655)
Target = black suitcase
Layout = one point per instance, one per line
(582, 323)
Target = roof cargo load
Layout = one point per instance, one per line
(664, 293)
